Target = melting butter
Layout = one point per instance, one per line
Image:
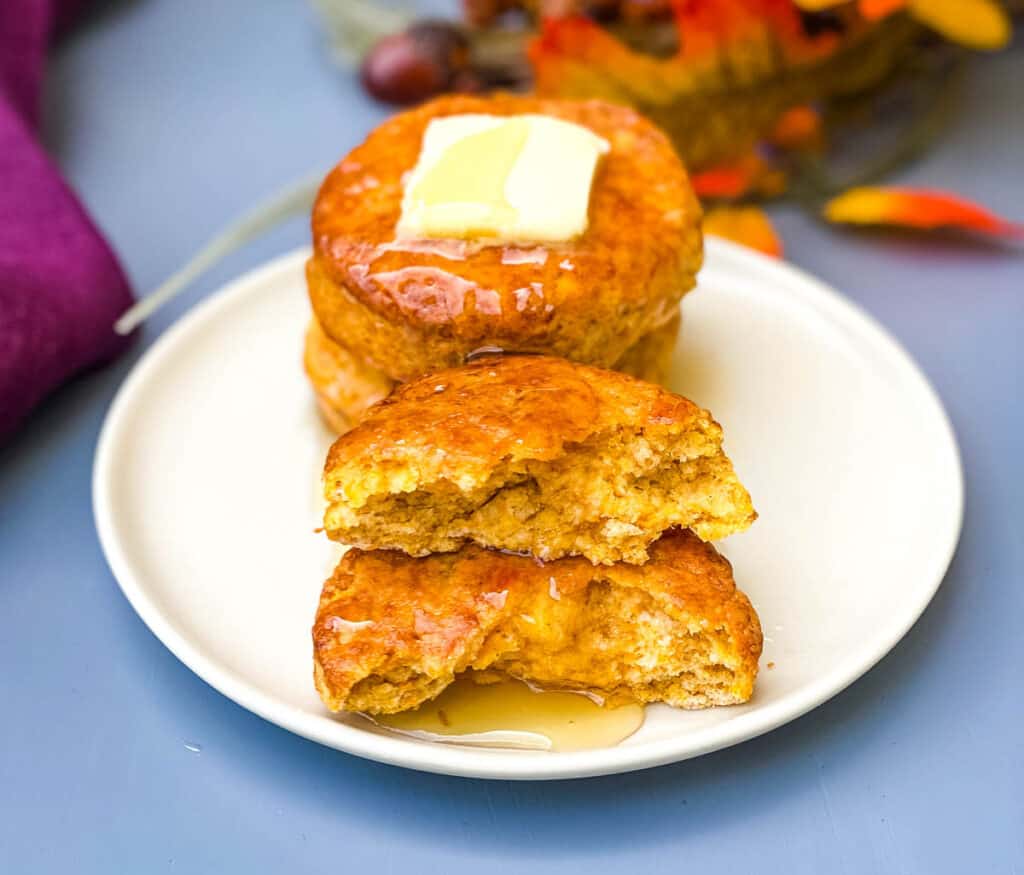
(472, 172)
(509, 179)
(511, 714)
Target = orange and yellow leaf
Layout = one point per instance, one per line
(573, 56)
(916, 208)
(977, 24)
(748, 226)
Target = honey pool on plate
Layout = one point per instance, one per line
(511, 714)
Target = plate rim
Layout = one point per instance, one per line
(510, 765)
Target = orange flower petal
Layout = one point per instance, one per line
(797, 128)
(725, 181)
(748, 226)
(873, 10)
(977, 24)
(750, 174)
(818, 5)
(916, 208)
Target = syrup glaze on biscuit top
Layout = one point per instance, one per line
(410, 307)
(346, 387)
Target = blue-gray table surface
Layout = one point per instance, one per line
(170, 117)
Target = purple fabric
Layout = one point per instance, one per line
(61, 287)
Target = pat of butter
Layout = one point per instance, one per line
(516, 179)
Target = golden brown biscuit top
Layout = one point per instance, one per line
(459, 423)
(643, 223)
(384, 604)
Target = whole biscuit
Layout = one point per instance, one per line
(410, 308)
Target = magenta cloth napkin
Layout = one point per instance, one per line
(61, 287)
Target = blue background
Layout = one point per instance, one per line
(170, 117)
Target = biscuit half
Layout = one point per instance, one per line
(393, 631)
(531, 454)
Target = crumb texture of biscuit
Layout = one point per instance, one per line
(393, 631)
(536, 455)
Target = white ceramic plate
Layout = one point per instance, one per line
(206, 498)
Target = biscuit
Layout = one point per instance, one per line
(408, 308)
(393, 631)
(650, 358)
(345, 386)
(532, 454)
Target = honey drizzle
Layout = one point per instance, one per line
(510, 714)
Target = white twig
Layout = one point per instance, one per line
(296, 198)
(353, 26)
